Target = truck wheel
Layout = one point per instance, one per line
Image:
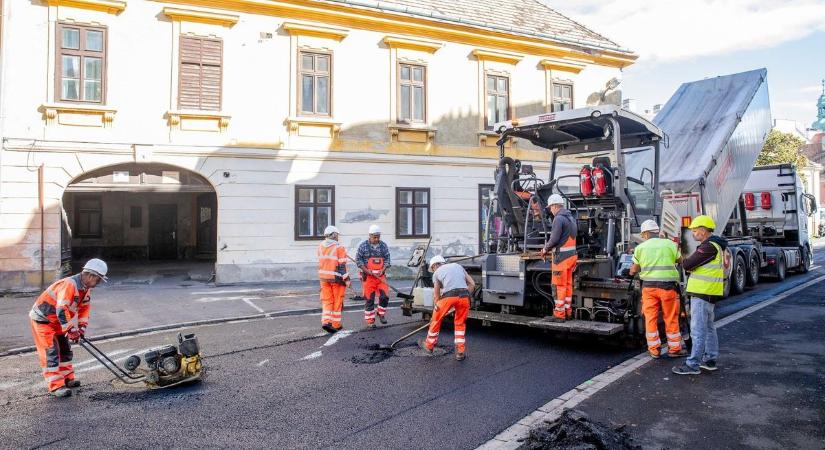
(753, 270)
(806, 260)
(738, 275)
(780, 267)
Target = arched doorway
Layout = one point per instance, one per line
(139, 212)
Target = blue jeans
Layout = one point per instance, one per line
(702, 332)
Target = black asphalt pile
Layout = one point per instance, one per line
(575, 431)
(375, 355)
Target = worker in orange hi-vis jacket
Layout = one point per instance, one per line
(562, 248)
(332, 272)
(59, 315)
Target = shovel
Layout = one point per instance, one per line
(397, 292)
(411, 333)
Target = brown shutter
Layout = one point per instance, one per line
(200, 73)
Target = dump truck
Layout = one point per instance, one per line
(615, 169)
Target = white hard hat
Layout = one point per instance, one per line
(330, 230)
(96, 267)
(375, 229)
(650, 225)
(437, 259)
(555, 199)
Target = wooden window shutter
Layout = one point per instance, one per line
(200, 73)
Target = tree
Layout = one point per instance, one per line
(783, 148)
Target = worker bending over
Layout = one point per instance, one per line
(655, 261)
(451, 290)
(373, 258)
(59, 315)
(562, 248)
(332, 272)
(706, 286)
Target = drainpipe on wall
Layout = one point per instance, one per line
(41, 197)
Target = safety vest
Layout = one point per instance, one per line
(709, 279)
(64, 303)
(566, 251)
(657, 258)
(332, 261)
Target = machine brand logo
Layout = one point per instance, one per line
(724, 171)
(546, 118)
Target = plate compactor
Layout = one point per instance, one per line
(161, 367)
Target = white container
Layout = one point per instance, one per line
(423, 296)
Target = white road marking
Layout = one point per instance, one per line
(220, 299)
(337, 337)
(553, 409)
(260, 364)
(248, 301)
(92, 360)
(228, 291)
(312, 356)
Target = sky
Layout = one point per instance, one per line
(679, 41)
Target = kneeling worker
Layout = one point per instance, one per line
(59, 315)
(332, 272)
(655, 261)
(451, 289)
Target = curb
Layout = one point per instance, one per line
(172, 326)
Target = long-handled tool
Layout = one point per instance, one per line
(106, 362)
(397, 292)
(408, 335)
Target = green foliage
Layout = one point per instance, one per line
(783, 148)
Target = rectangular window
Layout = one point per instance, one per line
(88, 217)
(498, 100)
(562, 97)
(135, 217)
(412, 212)
(315, 84)
(81, 63)
(412, 93)
(314, 211)
(200, 73)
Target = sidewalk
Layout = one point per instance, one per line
(768, 393)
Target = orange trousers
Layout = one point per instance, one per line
(54, 352)
(666, 301)
(562, 279)
(332, 303)
(462, 307)
(375, 288)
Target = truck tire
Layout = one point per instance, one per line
(753, 269)
(806, 260)
(780, 267)
(738, 275)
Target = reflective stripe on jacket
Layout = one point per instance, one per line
(566, 251)
(657, 259)
(709, 278)
(332, 261)
(66, 302)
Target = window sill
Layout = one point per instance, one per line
(420, 133)
(193, 120)
(488, 138)
(78, 114)
(324, 127)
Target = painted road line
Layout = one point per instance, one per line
(312, 356)
(337, 337)
(260, 364)
(226, 291)
(510, 438)
(248, 301)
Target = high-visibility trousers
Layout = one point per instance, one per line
(462, 307)
(375, 287)
(54, 352)
(332, 303)
(666, 301)
(562, 280)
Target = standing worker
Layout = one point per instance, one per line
(373, 258)
(706, 286)
(451, 289)
(59, 315)
(562, 247)
(332, 271)
(655, 261)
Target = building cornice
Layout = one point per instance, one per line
(392, 23)
(109, 6)
(564, 66)
(193, 15)
(413, 44)
(300, 29)
(502, 57)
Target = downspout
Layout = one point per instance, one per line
(41, 196)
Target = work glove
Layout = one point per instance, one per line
(82, 330)
(625, 273)
(74, 334)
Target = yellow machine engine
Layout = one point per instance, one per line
(169, 365)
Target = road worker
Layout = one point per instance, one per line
(332, 272)
(562, 248)
(373, 259)
(655, 261)
(59, 315)
(451, 290)
(706, 286)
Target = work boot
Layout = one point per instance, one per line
(335, 330)
(556, 319)
(328, 328)
(383, 319)
(72, 384)
(682, 352)
(371, 325)
(653, 355)
(686, 370)
(459, 356)
(424, 347)
(61, 392)
(710, 366)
